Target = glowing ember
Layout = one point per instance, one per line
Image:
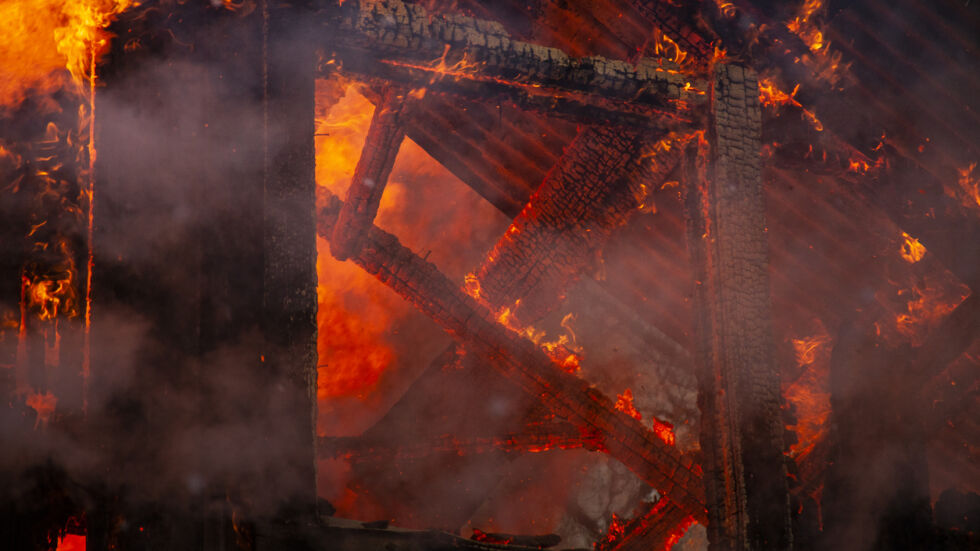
(912, 251)
(664, 431)
(804, 25)
(770, 95)
(471, 284)
(617, 527)
(926, 306)
(624, 403)
(71, 542)
(45, 38)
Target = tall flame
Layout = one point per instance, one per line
(50, 43)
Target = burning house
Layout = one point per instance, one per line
(489, 274)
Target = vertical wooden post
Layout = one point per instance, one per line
(739, 390)
(289, 287)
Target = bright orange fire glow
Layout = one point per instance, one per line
(624, 403)
(770, 95)
(354, 311)
(809, 393)
(49, 43)
(71, 542)
(805, 27)
(664, 431)
(926, 306)
(967, 189)
(912, 251)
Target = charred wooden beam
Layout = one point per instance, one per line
(520, 360)
(289, 296)
(591, 191)
(739, 393)
(658, 528)
(395, 41)
(381, 146)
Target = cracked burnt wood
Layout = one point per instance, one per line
(400, 42)
(659, 528)
(381, 145)
(592, 190)
(664, 467)
(739, 393)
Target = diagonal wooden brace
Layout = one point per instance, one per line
(520, 360)
(381, 146)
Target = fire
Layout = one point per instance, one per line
(927, 304)
(440, 67)
(967, 189)
(809, 393)
(353, 312)
(624, 403)
(727, 9)
(471, 284)
(770, 95)
(805, 27)
(71, 542)
(806, 348)
(51, 43)
(45, 296)
(912, 251)
(667, 50)
(617, 528)
(664, 431)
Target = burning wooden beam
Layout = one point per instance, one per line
(371, 174)
(739, 393)
(521, 361)
(597, 184)
(659, 528)
(475, 58)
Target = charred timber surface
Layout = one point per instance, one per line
(381, 146)
(289, 279)
(739, 394)
(520, 360)
(658, 528)
(395, 41)
(591, 191)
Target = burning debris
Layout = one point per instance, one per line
(488, 275)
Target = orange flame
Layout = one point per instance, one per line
(664, 431)
(770, 95)
(624, 403)
(967, 189)
(352, 330)
(44, 39)
(809, 394)
(912, 251)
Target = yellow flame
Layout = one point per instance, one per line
(912, 251)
